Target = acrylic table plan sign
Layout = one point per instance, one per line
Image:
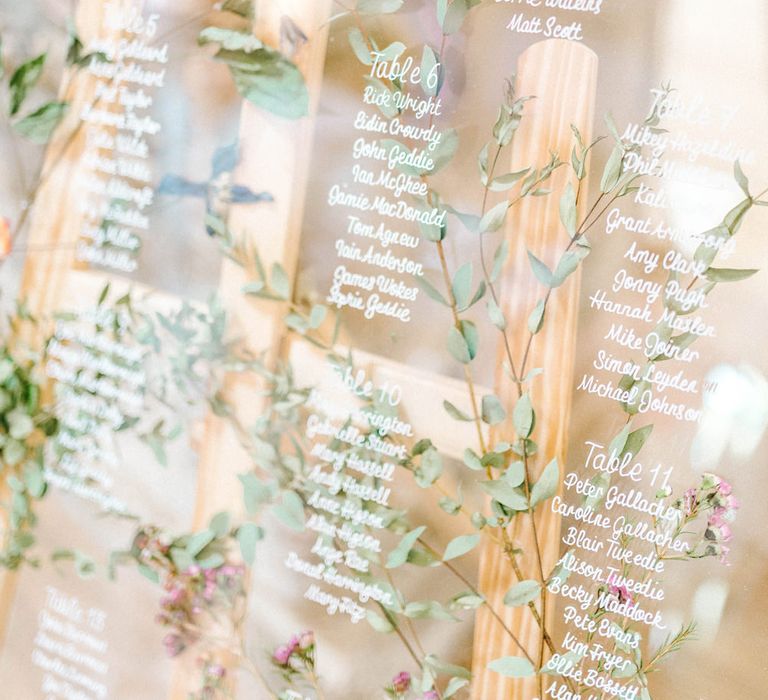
(389, 349)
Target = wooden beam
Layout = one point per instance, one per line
(276, 159)
(562, 75)
(54, 228)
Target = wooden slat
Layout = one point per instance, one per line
(562, 75)
(55, 224)
(275, 158)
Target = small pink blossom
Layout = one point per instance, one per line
(174, 644)
(724, 551)
(621, 592)
(306, 640)
(401, 683)
(430, 695)
(216, 671)
(282, 654)
(724, 488)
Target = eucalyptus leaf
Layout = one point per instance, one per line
(360, 47)
(199, 541)
(715, 274)
(460, 546)
(279, 281)
(496, 315)
(219, 524)
(568, 264)
(290, 511)
(499, 258)
(505, 494)
(568, 214)
(378, 622)
(431, 291)
(493, 412)
(454, 686)
(230, 39)
(612, 170)
(248, 535)
(23, 79)
(455, 413)
(546, 486)
(540, 270)
(378, 7)
(430, 468)
(458, 347)
(636, 439)
(515, 474)
(512, 667)
(523, 416)
(494, 218)
(399, 555)
(522, 593)
(452, 16)
(39, 126)
(472, 460)
(244, 8)
(502, 183)
(266, 78)
(536, 319)
(429, 67)
(462, 285)
(741, 178)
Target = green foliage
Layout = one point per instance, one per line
(522, 593)
(262, 75)
(378, 7)
(430, 468)
(546, 487)
(506, 494)
(493, 411)
(248, 536)
(512, 667)
(23, 79)
(399, 555)
(244, 8)
(452, 13)
(524, 417)
(460, 546)
(25, 424)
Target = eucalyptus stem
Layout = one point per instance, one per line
(474, 590)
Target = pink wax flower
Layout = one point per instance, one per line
(216, 671)
(401, 683)
(174, 644)
(732, 503)
(621, 592)
(306, 640)
(430, 695)
(282, 654)
(724, 487)
(724, 550)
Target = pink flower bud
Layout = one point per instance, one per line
(401, 683)
(174, 644)
(282, 654)
(217, 671)
(306, 640)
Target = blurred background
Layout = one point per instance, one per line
(708, 50)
